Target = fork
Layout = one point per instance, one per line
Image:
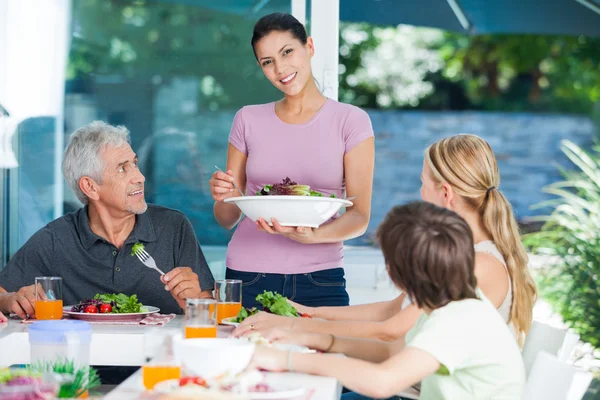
(234, 184)
(147, 260)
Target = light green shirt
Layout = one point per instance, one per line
(479, 356)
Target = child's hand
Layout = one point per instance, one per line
(269, 359)
(3, 318)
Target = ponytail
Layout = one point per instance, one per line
(499, 221)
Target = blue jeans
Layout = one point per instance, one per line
(321, 288)
(356, 396)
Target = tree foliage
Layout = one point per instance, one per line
(380, 67)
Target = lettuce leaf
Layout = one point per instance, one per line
(122, 303)
(277, 304)
(244, 313)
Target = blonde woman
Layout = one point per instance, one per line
(459, 173)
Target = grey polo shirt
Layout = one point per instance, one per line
(89, 264)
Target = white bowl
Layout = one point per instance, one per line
(210, 357)
(309, 211)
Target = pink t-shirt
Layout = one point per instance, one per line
(311, 153)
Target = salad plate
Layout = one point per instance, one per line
(229, 321)
(302, 211)
(123, 317)
(110, 307)
(290, 204)
(264, 390)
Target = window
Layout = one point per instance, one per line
(173, 71)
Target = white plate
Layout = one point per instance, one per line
(124, 317)
(309, 211)
(229, 321)
(280, 392)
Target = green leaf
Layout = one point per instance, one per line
(571, 236)
(277, 304)
(245, 313)
(79, 379)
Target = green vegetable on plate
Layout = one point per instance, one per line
(123, 303)
(289, 188)
(272, 302)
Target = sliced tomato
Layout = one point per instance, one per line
(105, 308)
(186, 380)
(305, 315)
(192, 380)
(91, 309)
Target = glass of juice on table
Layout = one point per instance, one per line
(200, 318)
(159, 364)
(228, 293)
(48, 297)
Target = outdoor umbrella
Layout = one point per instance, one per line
(564, 17)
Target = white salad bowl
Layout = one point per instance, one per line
(308, 211)
(212, 357)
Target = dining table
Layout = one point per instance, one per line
(123, 345)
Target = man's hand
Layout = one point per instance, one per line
(21, 302)
(183, 283)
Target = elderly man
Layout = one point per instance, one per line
(91, 247)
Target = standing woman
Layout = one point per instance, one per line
(311, 139)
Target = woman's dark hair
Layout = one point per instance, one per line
(281, 22)
(429, 254)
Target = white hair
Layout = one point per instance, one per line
(83, 156)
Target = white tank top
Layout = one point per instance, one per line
(489, 247)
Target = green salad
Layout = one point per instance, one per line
(110, 303)
(272, 302)
(124, 303)
(289, 188)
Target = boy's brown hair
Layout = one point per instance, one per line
(429, 254)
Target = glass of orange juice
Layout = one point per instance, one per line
(200, 318)
(156, 372)
(48, 297)
(160, 364)
(228, 293)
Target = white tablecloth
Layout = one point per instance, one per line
(124, 345)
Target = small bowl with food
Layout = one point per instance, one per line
(290, 204)
(211, 357)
